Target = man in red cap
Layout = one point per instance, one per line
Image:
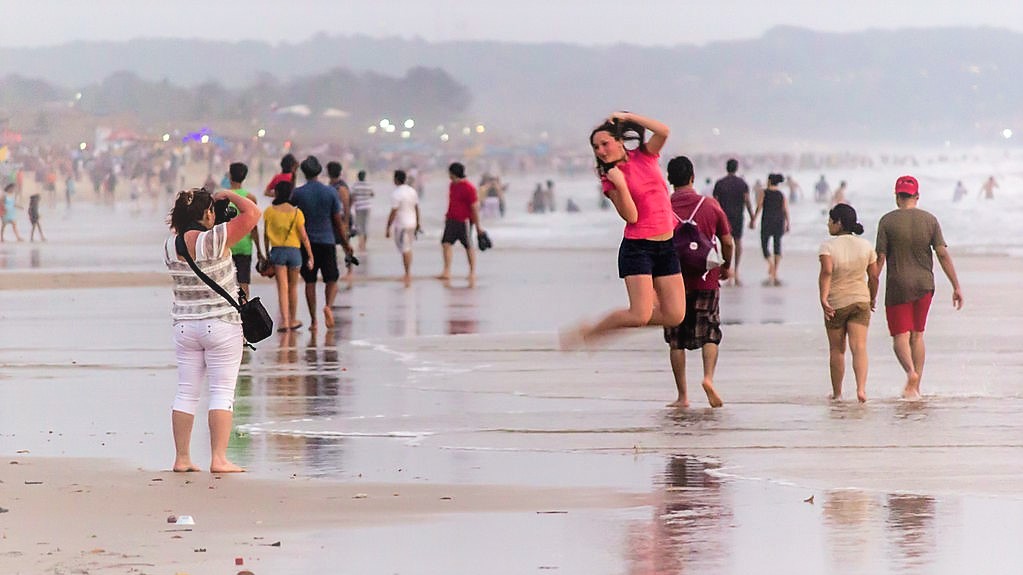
(905, 240)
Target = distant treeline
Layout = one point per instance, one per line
(427, 94)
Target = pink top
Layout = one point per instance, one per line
(649, 191)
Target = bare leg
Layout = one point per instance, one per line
(181, 424)
(310, 300)
(406, 260)
(836, 353)
(710, 363)
(281, 278)
(735, 265)
(329, 295)
(470, 253)
(446, 274)
(858, 347)
(903, 352)
(777, 262)
(220, 435)
(678, 369)
(292, 296)
(671, 301)
(916, 345)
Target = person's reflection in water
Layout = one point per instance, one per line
(911, 523)
(462, 311)
(322, 381)
(847, 514)
(34, 258)
(690, 524)
(403, 318)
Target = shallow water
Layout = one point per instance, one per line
(445, 384)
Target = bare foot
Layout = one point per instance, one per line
(912, 390)
(862, 396)
(712, 395)
(226, 467)
(328, 317)
(472, 281)
(407, 280)
(184, 466)
(573, 338)
(443, 277)
(679, 403)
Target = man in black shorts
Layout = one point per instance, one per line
(463, 210)
(732, 193)
(321, 207)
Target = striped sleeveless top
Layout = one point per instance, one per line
(193, 299)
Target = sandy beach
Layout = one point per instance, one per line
(437, 429)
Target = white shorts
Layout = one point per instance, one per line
(403, 238)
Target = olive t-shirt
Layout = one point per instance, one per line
(907, 238)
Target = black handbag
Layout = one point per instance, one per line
(257, 324)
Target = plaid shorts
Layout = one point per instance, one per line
(702, 324)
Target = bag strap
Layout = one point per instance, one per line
(692, 215)
(179, 244)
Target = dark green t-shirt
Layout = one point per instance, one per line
(907, 239)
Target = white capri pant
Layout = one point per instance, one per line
(207, 349)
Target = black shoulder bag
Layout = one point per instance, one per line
(257, 324)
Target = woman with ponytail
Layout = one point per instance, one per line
(848, 290)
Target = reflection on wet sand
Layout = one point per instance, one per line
(849, 515)
(462, 311)
(688, 530)
(910, 523)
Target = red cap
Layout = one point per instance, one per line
(907, 185)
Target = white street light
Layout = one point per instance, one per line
(409, 124)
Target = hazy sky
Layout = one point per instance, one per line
(660, 22)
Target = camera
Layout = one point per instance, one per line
(224, 211)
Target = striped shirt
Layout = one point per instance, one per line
(193, 299)
(362, 195)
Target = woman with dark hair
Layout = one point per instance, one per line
(848, 289)
(647, 261)
(207, 330)
(284, 231)
(773, 224)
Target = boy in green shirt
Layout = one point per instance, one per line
(241, 252)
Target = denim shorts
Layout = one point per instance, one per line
(284, 256)
(647, 258)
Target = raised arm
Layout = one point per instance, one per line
(245, 221)
(660, 130)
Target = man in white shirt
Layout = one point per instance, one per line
(403, 221)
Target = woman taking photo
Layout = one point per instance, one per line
(647, 260)
(773, 224)
(848, 289)
(284, 232)
(207, 330)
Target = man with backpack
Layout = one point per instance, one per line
(700, 221)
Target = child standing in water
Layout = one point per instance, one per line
(33, 218)
(647, 260)
(9, 216)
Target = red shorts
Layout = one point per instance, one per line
(909, 316)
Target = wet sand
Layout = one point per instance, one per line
(444, 391)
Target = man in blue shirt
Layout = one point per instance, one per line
(323, 219)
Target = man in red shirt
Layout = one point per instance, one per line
(463, 211)
(701, 328)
